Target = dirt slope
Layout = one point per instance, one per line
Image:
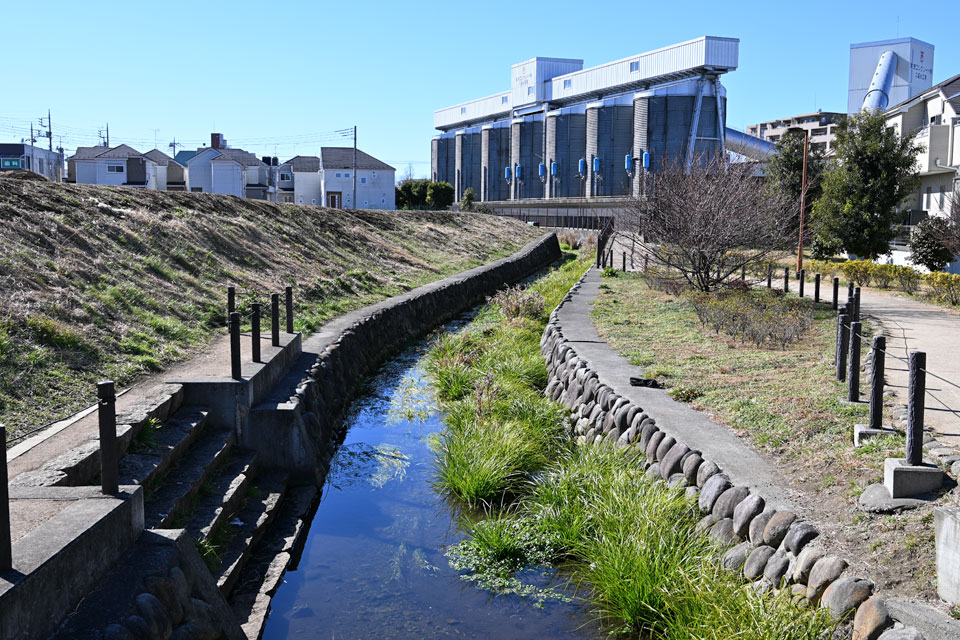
(102, 282)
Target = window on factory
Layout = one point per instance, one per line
(114, 168)
(530, 90)
(634, 66)
(503, 99)
(285, 176)
(567, 83)
(363, 181)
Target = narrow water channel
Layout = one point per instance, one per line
(374, 564)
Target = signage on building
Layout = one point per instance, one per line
(10, 163)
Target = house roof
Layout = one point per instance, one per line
(342, 158)
(950, 87)
(121, 151)
(159, 157)
(237, 155)
(184, 156)
(87, 153)
(301, 164)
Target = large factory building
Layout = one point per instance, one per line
(563, 131)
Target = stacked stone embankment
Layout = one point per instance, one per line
(772, 549)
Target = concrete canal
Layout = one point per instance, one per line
(374, 563)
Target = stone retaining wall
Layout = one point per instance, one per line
(771, 549)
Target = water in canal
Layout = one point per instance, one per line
(374, 564)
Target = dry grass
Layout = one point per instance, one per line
(113, 283)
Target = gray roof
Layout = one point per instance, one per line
(159, 157)
(342, 158)
(301, 164)
(237, 155)
(86, 153)
(119, 152)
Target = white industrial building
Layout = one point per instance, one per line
(329, 180)
(562, 131)
(26, 157)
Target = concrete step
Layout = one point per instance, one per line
(228, 494)
(146, 466)
(278, 551)
(253, 521)
(170, 504)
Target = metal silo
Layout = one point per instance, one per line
(494, 158)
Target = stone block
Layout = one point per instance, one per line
(903, 480)
(946, 523)
(862, 433)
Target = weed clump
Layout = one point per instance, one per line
(517, 302)
(760, 317)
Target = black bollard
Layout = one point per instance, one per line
(743, 272)
(816, 287)
(255, 333)
(803, 280)
(646, 262)
(915, 404)
(6, 556)
(786, 279)
(856, 304)
(876, 381)
(231, 300)
(610, 262)
(107, 418)
(275, 319)
(289, 300)
(624, 265)
(843, 344)
(836, 293)
(853, 364)
(769, 276)
(850, 292)
(235, 346)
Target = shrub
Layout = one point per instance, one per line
(859, 271)
(926, 249)
(609, 272)
(883, 275)
(517, 302)
(440, 195)
(466, 202)
(944, 286)
(570, 239)
(757, 316)
(907, 278)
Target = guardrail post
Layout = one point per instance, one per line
(275, 319)
(853, 368)
(803, 280)
(816, 287)
(235, 346)
(255, 333)
(6, 556)
(107, 418)
(836, 293)
(843, 344)
(289, 300)
(786, 279)
(876, 381)
(915, 405)
(231, 300)
(769, 276)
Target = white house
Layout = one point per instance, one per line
(120, 166)
(171, 175)
(329, 180)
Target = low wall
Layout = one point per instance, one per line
(773, 548)
(296, 428)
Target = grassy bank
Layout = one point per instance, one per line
(116, 283)
(629, 543)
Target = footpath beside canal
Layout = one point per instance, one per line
(218, 479)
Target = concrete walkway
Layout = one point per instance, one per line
(912, 325)
(738, 460)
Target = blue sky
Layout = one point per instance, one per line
(280, 77)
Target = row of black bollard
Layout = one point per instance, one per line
(843, 343)
(769, 276)
(917, 383)
(836, 293)
(6, 553)
(803, 280)
(234, 324)
(786, 279)
(623, 267)
(853, 361)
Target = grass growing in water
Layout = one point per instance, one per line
(632, 542)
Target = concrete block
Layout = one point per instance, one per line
(946, 523)
(862, 433)
(903, 480)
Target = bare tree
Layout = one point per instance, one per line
(707, 224)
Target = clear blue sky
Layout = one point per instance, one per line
(281, 76)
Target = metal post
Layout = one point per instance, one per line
(853, 364)
(107, 417)
(816, 287)
(803, 280)
(275, 318)
(915, 405)
(876, 381)
(856, 304)
(623, 255)
(289, 300)
(842, 347)
(235, 346)
(769, 276)
(6, 556)
(255, 333)
(231, 300)
(836, 293)
(849, 292)
(786, 279)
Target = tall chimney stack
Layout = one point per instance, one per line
(217, 141)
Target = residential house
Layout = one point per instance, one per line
(26, 157)
(171, 175)
(220, 169)
(935, 115)
(329, 180)
(120, 166)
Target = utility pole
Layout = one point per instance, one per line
(49, 134)
(173, 145)
(355, 167)
(803, 200)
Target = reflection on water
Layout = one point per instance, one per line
(374, 564)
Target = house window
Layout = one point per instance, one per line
(530, 90)
(942, 195)
(463, 110)
(196, 189)
(929, 197)
(503, 99)
(114, 168)
(345, 175)
(383, 201)
(364, 203)
(634, 66)
(285, 177)
(363, 181)
(374, 175)
(338, 175)
(567, 83)
(313, 201)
